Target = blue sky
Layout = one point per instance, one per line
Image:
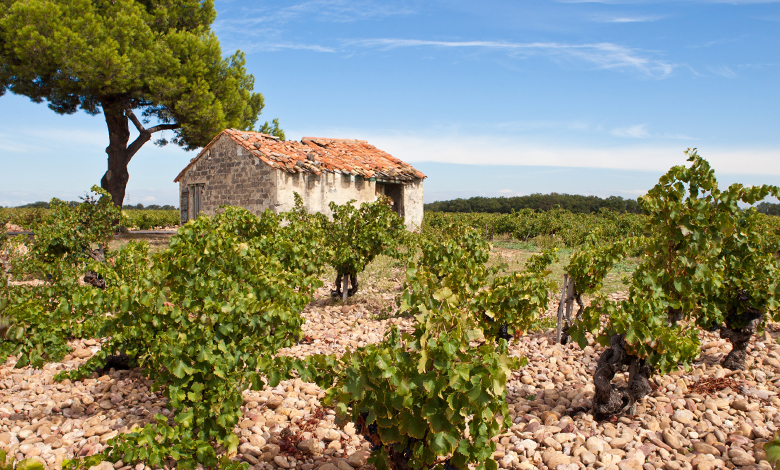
(487, 98)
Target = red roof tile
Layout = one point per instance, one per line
(316, 154)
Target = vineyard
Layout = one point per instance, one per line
(248, 340)
(30, 218)
(556, 228)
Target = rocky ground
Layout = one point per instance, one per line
(705, 418)
(13, 227)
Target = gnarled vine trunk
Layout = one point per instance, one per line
(609, 400)
(739, 337)
(91, 277)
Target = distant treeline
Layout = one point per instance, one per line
(540, 202)
(768, 208)
(138, 207)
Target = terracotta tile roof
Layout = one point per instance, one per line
(315, 155)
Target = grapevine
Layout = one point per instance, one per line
(704, 266)
(435, 398)
(355, 236)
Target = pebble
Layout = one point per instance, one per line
(553, 458)
(620, 442)
(740, 457)
(587, 457)
(82, 353)
(683, 417)
(596, 445)
(544, 399)
(705, 448)
(102, 466)
(672, 440)
(310, 446)
(740, 404)
(358, 459)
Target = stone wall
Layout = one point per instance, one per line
(230, 176)
(413, 204)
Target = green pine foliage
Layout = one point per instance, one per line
(120, 57)
(272, 129)
(159, 57)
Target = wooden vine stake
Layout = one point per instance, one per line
(561, 305)
(569, 300)
(565, 306)
(344, 288)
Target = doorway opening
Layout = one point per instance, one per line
(196, 191)
(395, 192)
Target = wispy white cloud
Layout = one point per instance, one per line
(723, 71)
(520, 126)
(652, 157)
(737, 2)
(603, 55)
(339, 11)
(344, 10)
(652, 154)
(278, 46)
(239, 28)
(624, 2)
(717, 42)
(10, 145)
(24, 140)
(759, 65)
(628, 19)
(640, 131)
(637, 132)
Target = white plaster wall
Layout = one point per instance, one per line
(413, 204)
(318, 191)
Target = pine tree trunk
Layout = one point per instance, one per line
(115, 179)
(118, 114)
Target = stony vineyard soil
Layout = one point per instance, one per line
(706, 418)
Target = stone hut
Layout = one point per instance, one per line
(258, 172)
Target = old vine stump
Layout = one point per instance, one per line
(611, 401)
(739, 337)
